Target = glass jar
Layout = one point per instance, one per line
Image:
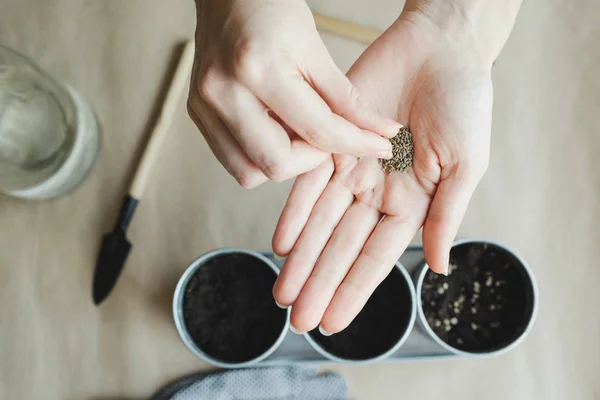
(49, 136)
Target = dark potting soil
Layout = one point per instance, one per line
(378, 327)
(483, 304)
(229, 309)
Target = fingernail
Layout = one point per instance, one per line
(445, 270)
(395, 127)
(385, 155)
(323, 331)
(446, 264)
(277, 257)
(296, 331)
(280, 306)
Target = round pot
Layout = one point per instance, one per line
(485, 306)
(380, 328)
(224, 310)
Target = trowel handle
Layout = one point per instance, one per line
(346, 29)
(170, 104)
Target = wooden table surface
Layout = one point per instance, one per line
(540, 196)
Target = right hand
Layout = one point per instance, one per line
(267, 96)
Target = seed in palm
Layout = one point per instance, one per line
(403, 151)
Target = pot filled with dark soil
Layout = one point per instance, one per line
(379, 329)
(487, 303)
(224, 309)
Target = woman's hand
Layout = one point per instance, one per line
(267, 96)
(347, 222)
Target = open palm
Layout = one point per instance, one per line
(347, 222)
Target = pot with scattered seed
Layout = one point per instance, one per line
(486, 305)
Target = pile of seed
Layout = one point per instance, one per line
(403, 152)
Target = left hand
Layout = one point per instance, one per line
(267, 95)
(347, 222)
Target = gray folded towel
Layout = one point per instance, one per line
(273, 383)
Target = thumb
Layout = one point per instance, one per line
(343, 98)
(447, 210)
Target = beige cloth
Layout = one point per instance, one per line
(540, 196)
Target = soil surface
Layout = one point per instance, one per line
(379, 325)
(229, 308)
(483, 304)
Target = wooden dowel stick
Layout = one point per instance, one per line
(170, 104)
(346, 29)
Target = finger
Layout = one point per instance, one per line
(341, 252)
(343, 97)
(305, 193)
(378, 257)
(325, 216)
(447, 210)
(262, 138)
(224, 147)
(301, 158)
(301, 107)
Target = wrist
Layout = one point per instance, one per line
(477, 27)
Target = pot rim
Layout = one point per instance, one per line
(178, 298)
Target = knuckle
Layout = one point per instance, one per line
(317, 138)
(249, 61)
(205, 88)
(247, 178)
(247, 181)
(273, 168)
(349, 103)
(208, 86)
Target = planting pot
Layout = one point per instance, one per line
(485, 306)
(224, 309)
(379, 329)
